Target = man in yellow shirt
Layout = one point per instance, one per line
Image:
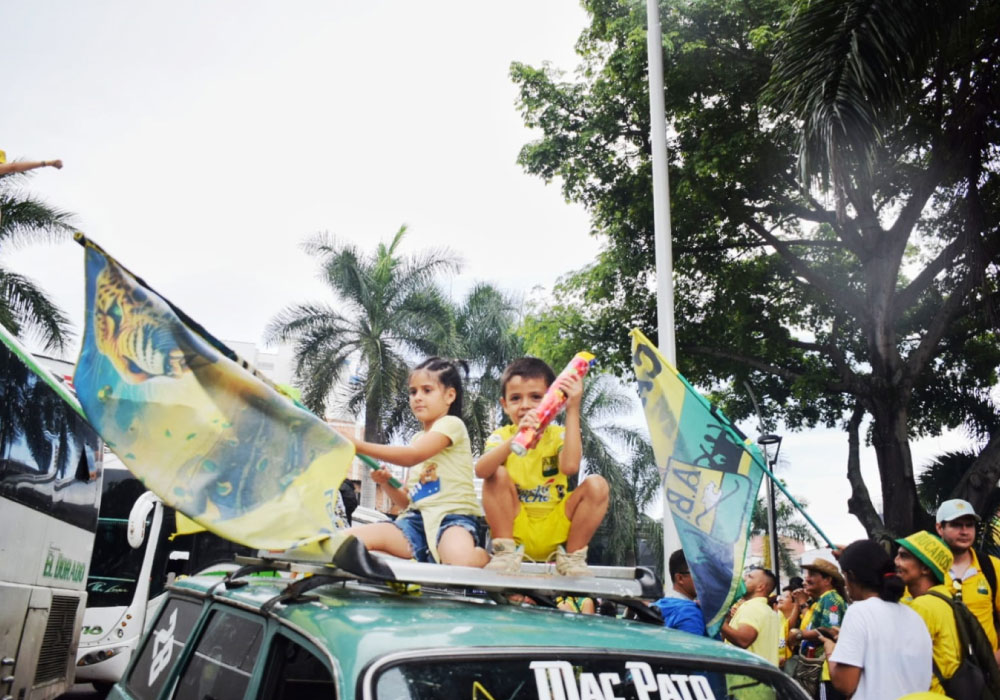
(972, 579)
(922, 562)
(754, 626)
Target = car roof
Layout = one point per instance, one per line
(360, 623)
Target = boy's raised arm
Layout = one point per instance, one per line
(572, 450)
(493, 460)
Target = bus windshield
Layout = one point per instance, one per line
(115, 566)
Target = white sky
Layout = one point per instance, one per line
(203, 142)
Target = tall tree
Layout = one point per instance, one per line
(385, 306)
(25, 308)
(868, 287)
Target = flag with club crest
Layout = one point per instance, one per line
(710, 474)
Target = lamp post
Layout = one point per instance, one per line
(766, 441)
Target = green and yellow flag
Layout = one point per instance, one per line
(711, 475)
(201, 429)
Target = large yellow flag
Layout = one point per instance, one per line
(212, 440)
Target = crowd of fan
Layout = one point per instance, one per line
(917, 619)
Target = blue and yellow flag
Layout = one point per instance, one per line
(212, 440)
(710, 474)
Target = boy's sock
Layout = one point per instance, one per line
(507, 557)
(572, 563)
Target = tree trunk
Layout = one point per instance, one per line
(373, 433)
(860, 503)
(901, 509)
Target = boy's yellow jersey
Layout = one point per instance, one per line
(540, 484)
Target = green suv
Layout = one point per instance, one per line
(381, 628)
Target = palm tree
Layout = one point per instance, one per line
(386, 305)
(485, 336)
(25, 308)
(480, 331)
(624, 457)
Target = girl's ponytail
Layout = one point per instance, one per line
(449, 374)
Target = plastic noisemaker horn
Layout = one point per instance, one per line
(550, 405)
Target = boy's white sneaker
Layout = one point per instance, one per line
(507, 557)
(572, 563)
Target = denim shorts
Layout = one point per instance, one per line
(412, 525)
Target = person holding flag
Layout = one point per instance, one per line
(754, 626)
(23, 166)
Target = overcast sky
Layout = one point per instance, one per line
(203, 142)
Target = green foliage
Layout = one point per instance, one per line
(874, 284)
(389, 314)
(25, 308)
(484, 333)
(387, 305)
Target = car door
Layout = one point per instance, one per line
(296, 670)
(222, 661)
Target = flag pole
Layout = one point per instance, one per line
(661, 227)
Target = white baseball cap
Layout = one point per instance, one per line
(954, 509)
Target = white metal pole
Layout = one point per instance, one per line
(661, 226)
(772, 523)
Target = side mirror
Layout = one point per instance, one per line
(137, 518)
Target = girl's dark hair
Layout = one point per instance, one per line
(870, 566)
(448, 374)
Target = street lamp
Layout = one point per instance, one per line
(766, 441)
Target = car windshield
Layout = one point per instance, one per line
(577, 676)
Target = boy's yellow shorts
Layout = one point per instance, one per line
(541, 536)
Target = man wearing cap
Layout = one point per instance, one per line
(956, 524)
(922, 561)
(825, 586)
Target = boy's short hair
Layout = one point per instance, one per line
(529, 368)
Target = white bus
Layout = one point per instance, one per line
(50, 488)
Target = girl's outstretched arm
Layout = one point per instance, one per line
(398, 496)
(424, 447)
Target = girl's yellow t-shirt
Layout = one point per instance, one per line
(443, 484)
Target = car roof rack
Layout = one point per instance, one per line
(352, 561)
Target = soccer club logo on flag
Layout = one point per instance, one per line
(204, 434)
(711, 477)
